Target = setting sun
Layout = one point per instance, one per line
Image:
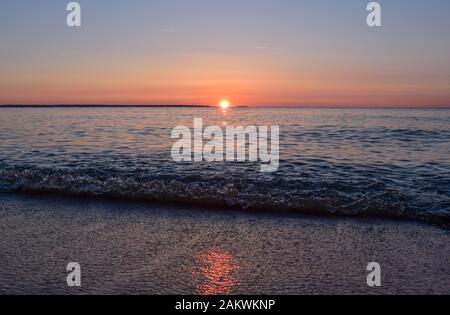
(224, 104)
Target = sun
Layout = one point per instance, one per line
(224, 104)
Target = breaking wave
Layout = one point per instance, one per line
(276, 195)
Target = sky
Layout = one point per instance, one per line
(251, 52)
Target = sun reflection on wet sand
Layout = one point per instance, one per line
(215, 272)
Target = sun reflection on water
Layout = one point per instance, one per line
(215, 273)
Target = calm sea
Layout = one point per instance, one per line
(338, 161)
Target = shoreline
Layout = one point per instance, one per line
(102, 106)
(136, 248)
(199, 205)
(445, 107)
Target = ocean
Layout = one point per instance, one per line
(98, 186)
(352, 162)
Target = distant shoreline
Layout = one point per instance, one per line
(96, 105)
(211, 106)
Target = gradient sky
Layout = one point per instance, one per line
(252, 52)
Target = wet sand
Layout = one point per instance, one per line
(136, 248)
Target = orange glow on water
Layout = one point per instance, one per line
(215, 273)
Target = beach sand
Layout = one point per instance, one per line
(135, 248)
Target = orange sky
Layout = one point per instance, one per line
(284, 54)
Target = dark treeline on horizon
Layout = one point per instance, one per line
(93, 105)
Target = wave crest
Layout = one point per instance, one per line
(279, 195)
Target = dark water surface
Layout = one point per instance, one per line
(341, 161)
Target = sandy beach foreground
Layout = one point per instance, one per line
(135, 248)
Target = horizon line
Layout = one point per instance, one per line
(213, 106)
